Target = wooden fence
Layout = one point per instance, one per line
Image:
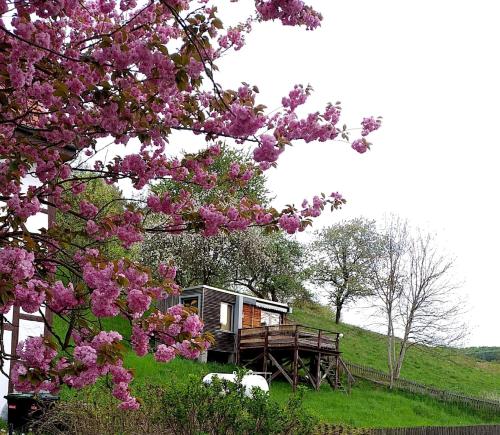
(326, 429)
(383, 378)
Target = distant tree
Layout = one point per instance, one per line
(342, 256)
(270, 265)
(199, 260)
(430, 310)
(388, 275)
(412, 282)
(230, 189)
(108, 200)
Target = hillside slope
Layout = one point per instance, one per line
(445, 368)
(367, 405)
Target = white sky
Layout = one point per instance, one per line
(431, 69)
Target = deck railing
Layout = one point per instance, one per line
(289, 335)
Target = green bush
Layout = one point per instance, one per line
(182, 408)
(193, 408)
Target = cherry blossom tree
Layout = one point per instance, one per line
(76, 72)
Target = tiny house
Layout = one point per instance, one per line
(224, 312)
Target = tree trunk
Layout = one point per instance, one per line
(338, 309)
(390, 350)
(401, 357)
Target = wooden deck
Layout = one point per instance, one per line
(292, 351)
(289, 336)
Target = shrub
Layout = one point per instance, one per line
(182, 408)
(222, 408)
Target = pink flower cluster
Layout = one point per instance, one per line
(360, 145)
(177, 330)
(80, 71)
(268, 150)
(289, 12)
(290, 223)
(31, 372)
(369, 125)
(16, 263)
(296, 97)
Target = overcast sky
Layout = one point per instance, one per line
(431, 69)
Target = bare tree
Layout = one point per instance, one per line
(388, 279)
(342, 257)
(412, 282)
(429, 308)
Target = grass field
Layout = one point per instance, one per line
(446, 368)
(367, 405)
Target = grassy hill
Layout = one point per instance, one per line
(445, 368)
(367, 405)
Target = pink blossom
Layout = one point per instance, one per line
(17, 263)
(140, 341)
(360, 145)
(290, 223)
(63, 298)
(88, 210)
(166, 271)
(24, 207)
(31, 295)
(187, 349)
(369, 125)
(85, 354)
(137, 301)
(164, 353)
(193, 325)
(267, 151)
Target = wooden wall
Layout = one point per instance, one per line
(251, 316)
(225, 341)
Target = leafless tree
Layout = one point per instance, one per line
(429, 308)
(413, 285)
(388, 279)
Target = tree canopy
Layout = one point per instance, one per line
(342, 258)
(73, 73)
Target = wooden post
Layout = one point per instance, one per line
(296, 359)
(266, 345)
(337, 368)
(238, 339)
(337, 342)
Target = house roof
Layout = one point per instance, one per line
(266, 301)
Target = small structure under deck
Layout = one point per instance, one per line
(294, 352)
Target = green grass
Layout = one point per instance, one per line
(446, 368)
(367, 405)
(371, 406)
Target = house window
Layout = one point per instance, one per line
(191, 301)
(226, 317)
(270, 319)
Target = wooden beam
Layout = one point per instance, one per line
(253, 359)
(280, 369)
(30, 317)
(327, 375)
(311, 379)
(13, 343)
(266, 350)
(238, 339)
(318, 371)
